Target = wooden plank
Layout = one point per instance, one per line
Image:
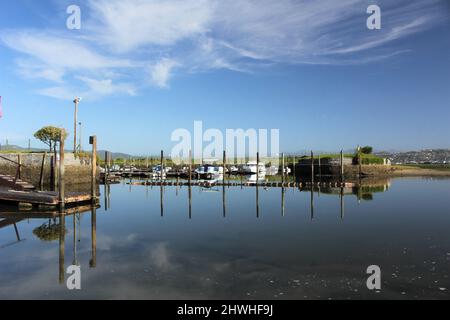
(42, 198)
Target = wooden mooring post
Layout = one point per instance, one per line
(162, 165)
(342, 166)
(312, 167)
(19, 164)
(41, 177)
(359, 162)
(93, 142)
(190, 168)
(257, 168)
(320, 168)
(282, 168)
(224, 165)
(61, 184)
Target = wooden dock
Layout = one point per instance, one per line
(46, 198)
(265, 184)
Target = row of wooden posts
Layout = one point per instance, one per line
(283, 166)
(61, 182)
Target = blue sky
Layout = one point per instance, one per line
(309, 68)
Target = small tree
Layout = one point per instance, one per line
(50, 136)
(367, 150)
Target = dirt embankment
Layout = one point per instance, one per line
(403, 171)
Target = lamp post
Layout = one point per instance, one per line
(76, 102)
(80, 148)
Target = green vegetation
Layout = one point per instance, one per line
(51, 136)
(48, 232)
(367, 150)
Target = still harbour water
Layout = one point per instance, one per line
(236, 243)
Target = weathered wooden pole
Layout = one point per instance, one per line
(93, 142)
(162, 164)
(320, 169)
(282, 168)
(41, 177)
(61, 184)
(76, 101)
(93, 261)
(190, 168)
(224, 165)
(52, 172)
(19, 166)
(293, 167)
(257, 168)
(359, 162)
(342, 166)
(312, 167)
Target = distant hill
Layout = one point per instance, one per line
(115, 155)
(101, 153)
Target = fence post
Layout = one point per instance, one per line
(93, 142)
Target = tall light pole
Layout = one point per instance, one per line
(76, 102)
(79, 144)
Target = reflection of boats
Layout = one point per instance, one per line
(234, 170)
(209, 171)
(253, 167)
(255, 177)
(272, 170)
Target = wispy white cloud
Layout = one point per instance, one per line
(131, 24)
(144, 41)
(161, 72)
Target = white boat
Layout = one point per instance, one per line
(252, 168)
(157, 169)
(209, 171)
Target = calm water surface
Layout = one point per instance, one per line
(237, 244)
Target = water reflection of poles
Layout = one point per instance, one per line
(342, 203)
(17, 232)
(224, 204)
(162, 200)
(107, 190)
(312, 202)
(282, 201)
(93, 261)
(75, 260)
(190, 201)
(62, 238)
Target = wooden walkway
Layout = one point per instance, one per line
(42, 198)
